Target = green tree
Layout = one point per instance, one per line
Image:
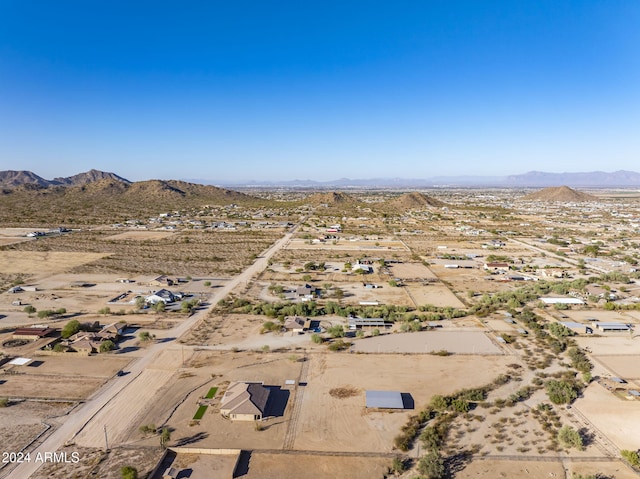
(107, 346)
(145, 336)
(4, 402)
(71, 328)
(316, 338)
(561, 392)
(431, 465)
(397, 466)
(29, 309)
(165, 437)
(129, 472)
(45, 313)
(159, 307)
(632, 457)
(140, 302)
(570, 437)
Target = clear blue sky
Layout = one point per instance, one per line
(241, 90)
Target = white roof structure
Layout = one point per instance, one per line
(19, 361)
(385, 399)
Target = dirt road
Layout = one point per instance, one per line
(88, 420)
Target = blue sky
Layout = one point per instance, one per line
(260, 90)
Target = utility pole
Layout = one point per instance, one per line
(106, 441)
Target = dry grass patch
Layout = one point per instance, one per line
(344, 392)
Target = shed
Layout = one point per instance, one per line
(384, 399)
(612, 327)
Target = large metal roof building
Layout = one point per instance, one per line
(385, 399)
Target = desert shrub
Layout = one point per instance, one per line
(561, 392)
(570, 437)
(129, 472)
(431, 465)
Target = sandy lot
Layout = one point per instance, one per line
(610, 345)
(44, 262)
(436, 294)
(356, 292)
(461, 342)
(491, 468)
(278, 466)
(380, 246)
(22, 421)
(123, 412)
(618, 419)
(411, 271)
(349, 426)
(102, 366)
(141, 235)
(49, 387)
(626, 367)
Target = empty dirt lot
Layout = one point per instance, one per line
(44, 262)
(349, 426)
(461, 342)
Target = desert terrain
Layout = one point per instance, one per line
(458, 327)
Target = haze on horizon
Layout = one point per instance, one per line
(235, 91)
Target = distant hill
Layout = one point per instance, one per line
(15, 179)
(90, 176)
(560, 193)
(410, 201)
(593, 179)
(109, 199)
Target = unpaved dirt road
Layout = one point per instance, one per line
(88, 419)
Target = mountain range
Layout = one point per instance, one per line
(594, 179)
(533, 179)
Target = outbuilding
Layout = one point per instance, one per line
(384, 400)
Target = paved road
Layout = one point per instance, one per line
(82, 416)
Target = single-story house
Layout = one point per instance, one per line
(114, 329)
(245, 401)
(362, 267)
(295, 324)
(163, 295)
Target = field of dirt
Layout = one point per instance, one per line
(101, 367)
(604, 346)
(49, 387)
(484, 468)
(411, 271)
(23, 421)
(44, 262)
(349, 426)
(458, 342)
(623, 366)
(618, 419)
(279, 466)
(191, 253)
(379, 247)
(97, 463)
(435, 294)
